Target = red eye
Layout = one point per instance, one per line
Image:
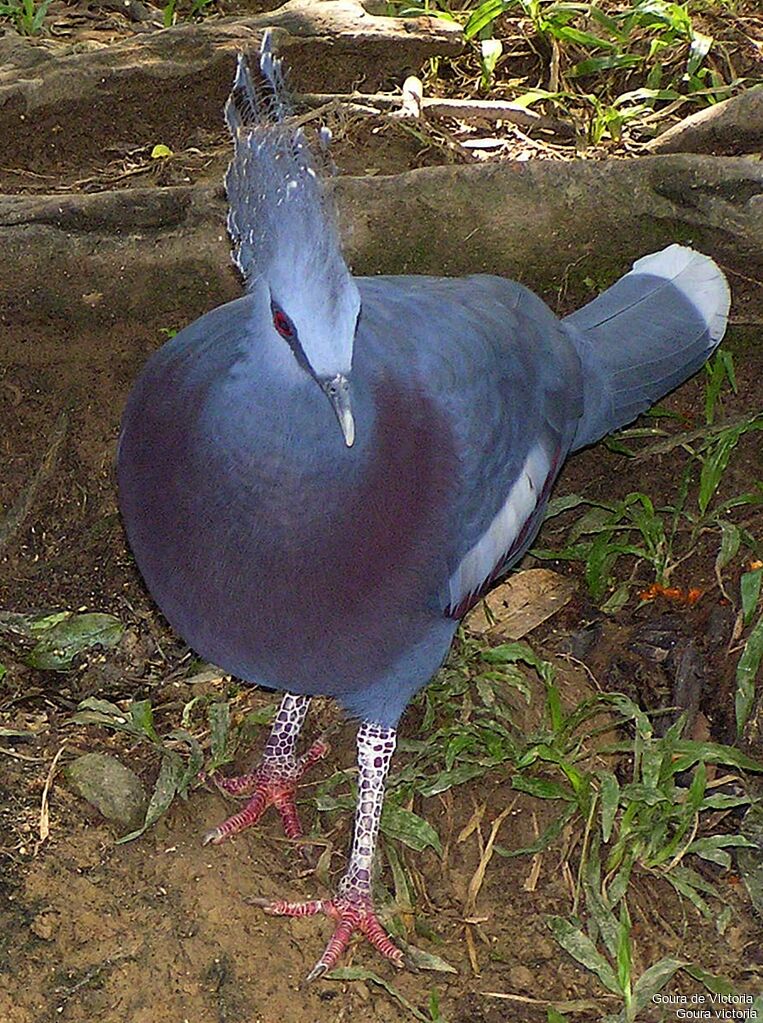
(282, 323)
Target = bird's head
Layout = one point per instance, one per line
(283, 232)
(318, 323)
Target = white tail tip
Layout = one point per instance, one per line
(700, 279)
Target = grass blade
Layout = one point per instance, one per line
(580, 947)
(718, 985)
(407, 827)
(219, 726)
(653, 980)
(749, 586)
(483, 16)
(359, 973)
(165, 789)
(610, 801)
(747, 672)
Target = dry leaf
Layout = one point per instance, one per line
(520, 604)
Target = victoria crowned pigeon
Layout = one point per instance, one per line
(320, 478)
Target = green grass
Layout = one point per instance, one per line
(627, 543)
(654, 821)
(661, 537)
(611, 68)
(604, 945)
(194, 10)
(26, 16)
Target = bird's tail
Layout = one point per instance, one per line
(645, 335)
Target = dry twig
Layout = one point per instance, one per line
(44, 822)
(460, 109)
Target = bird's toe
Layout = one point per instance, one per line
(351, 913)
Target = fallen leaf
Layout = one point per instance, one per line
(520, 604)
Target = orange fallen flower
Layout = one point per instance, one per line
(674, 593)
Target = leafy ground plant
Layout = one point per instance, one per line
(604, 945)
(27, 16)
(53, 642)
(660, 537)
(615, 66)
(657, 819)
(748, 666)
(654, 820)
(182, 756)
(196, 10)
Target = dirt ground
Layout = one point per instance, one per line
(160, 930)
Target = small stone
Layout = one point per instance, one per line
(522, 979)
(543, 950)
(362, 991)
(45, 925)
(110, 787)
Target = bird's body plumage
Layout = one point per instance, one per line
(319, 479)
(298, 563)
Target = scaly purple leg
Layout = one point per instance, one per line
(274, 782)
(353, 907)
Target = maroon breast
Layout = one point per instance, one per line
(306, 576)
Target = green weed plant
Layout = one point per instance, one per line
(27, 16)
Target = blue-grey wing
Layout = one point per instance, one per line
(507, 379)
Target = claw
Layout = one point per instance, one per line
(268, 786)
(352, 913)
(317, 971)
(212, 837)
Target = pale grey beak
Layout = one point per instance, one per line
(337, 390)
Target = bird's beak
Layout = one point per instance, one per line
(337, 390)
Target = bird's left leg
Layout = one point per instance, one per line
(274, 782)
(353, 907)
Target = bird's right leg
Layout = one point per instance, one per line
(274, 782)
(353, 907)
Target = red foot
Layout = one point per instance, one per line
(271, 785)
(352, 913)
